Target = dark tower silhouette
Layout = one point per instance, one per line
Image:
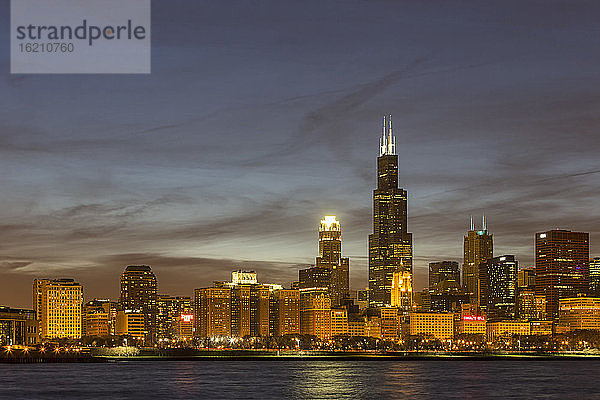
(390, 244)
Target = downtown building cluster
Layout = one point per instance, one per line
(490, 296)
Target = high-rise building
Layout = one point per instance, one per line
(444, 276)
(58, 304)
(595, 277)
(501, 287)
(171, 325)
(390, 244)
(315, 312)
(561, 266)
(478, 248)
(285, 312)
(212, 312)
(139, 292)
(526, 278)
(330, 257)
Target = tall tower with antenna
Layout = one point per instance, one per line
(390, 244)
(478, 249)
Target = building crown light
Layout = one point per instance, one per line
(387, 142)
(330, 223)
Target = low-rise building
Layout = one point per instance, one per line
(579, 313)
(541, 327)
(507, 328)
(131, 323)
(439, 325)
(18, 327)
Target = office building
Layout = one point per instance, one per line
(561, 266)
(18, 327)
(58, 304)
(595, 277)
(315, 313)
(339, 322)
(444, 276)
(438, 325)
(139, 292)
(526, 278)
(174, 319)
(390, 244)
(131, 323)
(99, 318)
(478, 246)
(330, 258)
(285, 312)
(500, 293)
(212, 312)
(506, 329)
(401, 294)
(579, 313)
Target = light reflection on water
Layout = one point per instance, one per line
(302, 378)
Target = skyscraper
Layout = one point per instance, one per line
(561, 266)
(330, 257)
(501, 292)
(139, 292)
(390, 244)
(478, 248)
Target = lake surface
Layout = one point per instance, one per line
(299, 379)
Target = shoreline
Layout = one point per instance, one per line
(306, 355)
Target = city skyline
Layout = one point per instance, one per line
(198, 169)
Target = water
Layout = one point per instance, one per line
(299, 379)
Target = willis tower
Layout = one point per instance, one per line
(390, 244)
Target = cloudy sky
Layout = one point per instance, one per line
(260, 117)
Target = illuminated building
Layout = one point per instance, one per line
(526, 278)
(373, 327)
(401, 294)
(526, 305)
(471, 324)
(285, 311)
(315, 312)
(58, 303)
(579, 313)
(330, 257)
(561, 266)
(131, 323)
(170, 324)
(314, 277)
(390, 323)
(478, 248)
(439, 325)
(250, 315)
(18, 327)
(445, 274)
(506, 329)
(212, 312)
(356, 326)
(99, 318)
(390, 244)
(139, 292)
(595, 277)
(501, 291)
(339, 322)
(541, 327)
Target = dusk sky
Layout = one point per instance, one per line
(260, 117)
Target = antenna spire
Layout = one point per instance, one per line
(387, 142)
(484, 224)
(472, 224)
